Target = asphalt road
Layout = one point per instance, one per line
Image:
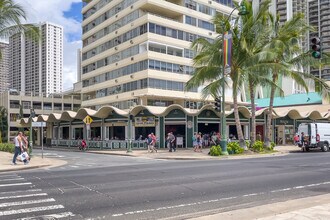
(135, 188)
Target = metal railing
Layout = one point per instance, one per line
(109, 144)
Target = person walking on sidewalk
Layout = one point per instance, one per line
(171, 139)
(18, 141)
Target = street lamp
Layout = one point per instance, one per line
(32, 114)
(130, 118)
(227, 68)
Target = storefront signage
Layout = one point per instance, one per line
(147, 121)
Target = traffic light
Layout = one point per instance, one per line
(217, 104)
(316, 47)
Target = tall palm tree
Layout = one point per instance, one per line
(3, 124)
(11, 17)
(290, 60)
(248, 40)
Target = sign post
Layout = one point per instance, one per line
(88, 120)
(40, 125)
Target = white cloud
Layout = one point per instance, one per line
(39, 11)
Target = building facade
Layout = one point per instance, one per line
(137, 52)
(37, 66)
(4, 67)
(19, 105)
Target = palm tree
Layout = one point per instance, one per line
(290, 61)
(3, 124)
(249, 38)
(11, 16)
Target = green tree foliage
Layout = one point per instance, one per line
(3, 124)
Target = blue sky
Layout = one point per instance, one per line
(74, 13)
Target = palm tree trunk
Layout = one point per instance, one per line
(238, 125)
(253, 114)
(270, 112)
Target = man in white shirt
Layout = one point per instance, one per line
(18, 146)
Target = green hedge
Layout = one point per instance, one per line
(215, 151)
(7, 147)
(234, 148)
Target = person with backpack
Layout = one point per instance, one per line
(151, 142)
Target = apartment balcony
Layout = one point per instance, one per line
(163, 9)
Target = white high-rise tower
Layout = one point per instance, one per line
(37, 66)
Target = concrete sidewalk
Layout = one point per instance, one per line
(36, 162)
(189, 154)
(310, 208)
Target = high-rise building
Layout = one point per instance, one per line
(37, 66)
(4, 67)
(139, 52)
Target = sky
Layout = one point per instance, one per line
(66, 13)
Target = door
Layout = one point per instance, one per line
(313, 133)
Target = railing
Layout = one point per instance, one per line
(110, 144)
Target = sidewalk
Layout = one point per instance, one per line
(36, 162)
(310, 208)
(189, 154)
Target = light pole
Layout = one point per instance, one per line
(226, 48)
(130, 117)
(32, 114)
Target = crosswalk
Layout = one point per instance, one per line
(19, 199)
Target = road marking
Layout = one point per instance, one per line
(10, 175)
(73, 166)
(24, 196)
(20, 191)
(26, 202)
(3, 180)
(15, 184)
(29, 210)
(215, 200)
(173, 207)
(51, 216)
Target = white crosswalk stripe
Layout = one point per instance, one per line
(20, 200)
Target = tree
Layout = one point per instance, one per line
(3, 124)
(11, 15)
(249, 38)
(290, 60)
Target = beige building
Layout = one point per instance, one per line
(42, 104)
(137, 52)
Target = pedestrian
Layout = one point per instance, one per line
(151, 141)
(296, 139)
(206, 140)
(199, 141)
(194, 139)
(171, 139)
(214, 139)
(18, 140)
(258, 137)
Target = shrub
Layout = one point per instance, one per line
(272, 145)
(258, 146)
(7, 147)
(215, 150)
(229, 150)
(235, 148)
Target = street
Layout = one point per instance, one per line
(115, 187)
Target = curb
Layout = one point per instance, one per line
(26, 167)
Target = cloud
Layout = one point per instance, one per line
(39, 11)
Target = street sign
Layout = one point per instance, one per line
(38, 124)
(88, 120)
